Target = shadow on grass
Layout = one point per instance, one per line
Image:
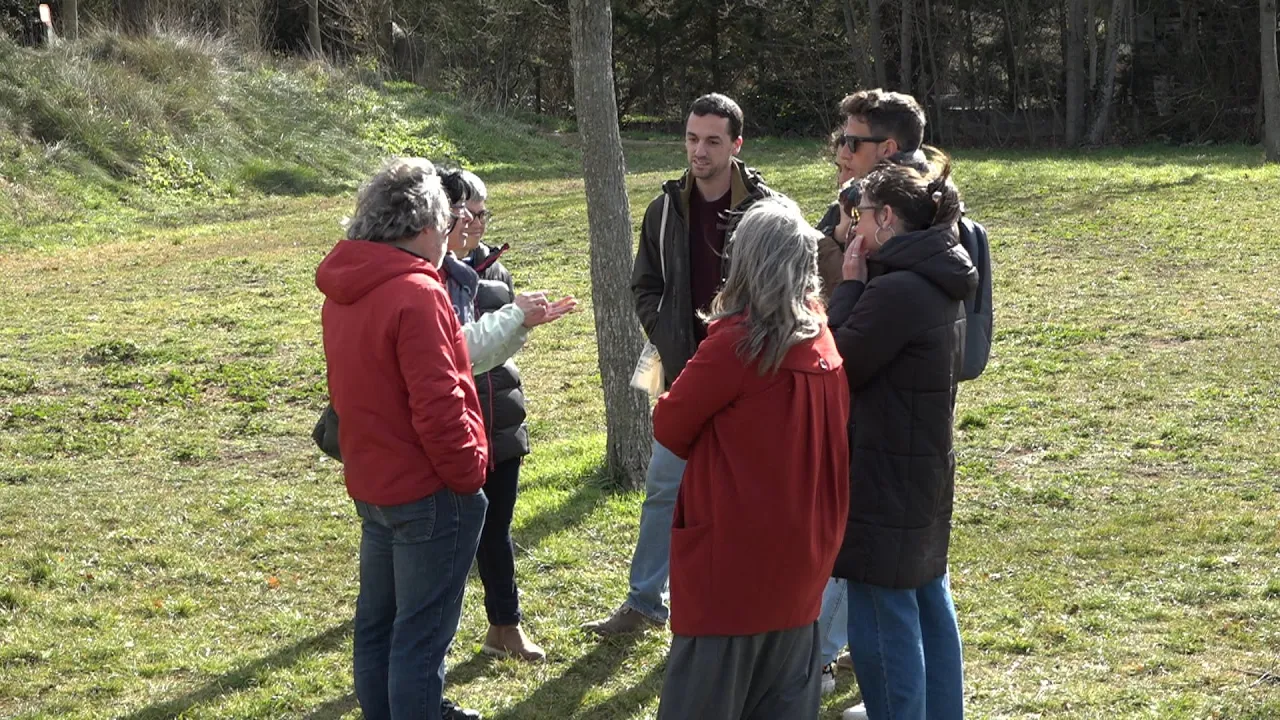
(246, 676)
(562, 696)
(592, 488)
(335, 708)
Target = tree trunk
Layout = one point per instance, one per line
(133, 17)
(1075, 71)
(856, 48)
(383, 29)
(71, 19)
(1270, 81)
(1099, 129)
(313, 29)
(877, 43)
(907, 44)
(1091, 37)
(939, 77)
(604, 171)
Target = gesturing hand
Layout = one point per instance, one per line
(539, 311)
(855, 260)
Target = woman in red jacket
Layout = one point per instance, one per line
(760, 414)
(412, 436)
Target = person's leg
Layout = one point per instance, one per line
(651, 563)
(786, 676)
(495, 557)
(708, 678)
(943, 658)
(375, 614)
(833, 622)
(433, 544)
(888, 657)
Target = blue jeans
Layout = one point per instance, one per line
(906, 651)
(414, 560)
(651, 564)
(833, 623)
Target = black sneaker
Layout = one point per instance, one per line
(449, 711)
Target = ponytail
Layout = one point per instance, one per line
(918, 187)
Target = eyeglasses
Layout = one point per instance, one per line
(483, 216)
(853, 140)
(856, 211)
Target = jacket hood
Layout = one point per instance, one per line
(934, 253)
(354, 268)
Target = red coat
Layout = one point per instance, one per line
(399, 377)
(765, 496)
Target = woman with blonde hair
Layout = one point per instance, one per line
(759, 413)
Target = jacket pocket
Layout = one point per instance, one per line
(691, 564)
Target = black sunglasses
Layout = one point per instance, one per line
(853, 140)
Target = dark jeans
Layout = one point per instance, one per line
(414, 560)
(496, 558)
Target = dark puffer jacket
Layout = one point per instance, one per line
(501, 394)
(901, 336)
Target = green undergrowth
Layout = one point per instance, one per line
(112, 130)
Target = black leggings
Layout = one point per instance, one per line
(496, 558)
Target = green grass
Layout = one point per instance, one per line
(173, 545)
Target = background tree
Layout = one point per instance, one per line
(1074, 66)
(314, 43)
(1114, 30)
(1270, 81)
(604, 170)
(876, 41)
(71, 19)
(134, 16)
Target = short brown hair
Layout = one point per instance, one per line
(891, 114)
(720, 106)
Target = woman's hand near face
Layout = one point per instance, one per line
(841, 232)
(855, 260)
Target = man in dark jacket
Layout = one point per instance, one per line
(680, 264)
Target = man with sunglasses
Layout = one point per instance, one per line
(887, 126)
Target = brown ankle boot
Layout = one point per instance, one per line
(510, 641)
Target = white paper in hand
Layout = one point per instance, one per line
(648, 375)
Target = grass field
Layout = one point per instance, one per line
(171, 544)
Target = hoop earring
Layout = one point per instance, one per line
(879, 242)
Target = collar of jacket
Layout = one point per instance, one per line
(744, 183)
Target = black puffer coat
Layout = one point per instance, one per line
(901, 336)
(501, 395)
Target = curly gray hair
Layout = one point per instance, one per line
(398, 202)
(773, 279)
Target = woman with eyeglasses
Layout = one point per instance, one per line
(503, 402)
(899, 322)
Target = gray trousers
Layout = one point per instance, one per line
(771, 676)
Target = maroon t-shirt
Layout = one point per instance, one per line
(706, 246)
